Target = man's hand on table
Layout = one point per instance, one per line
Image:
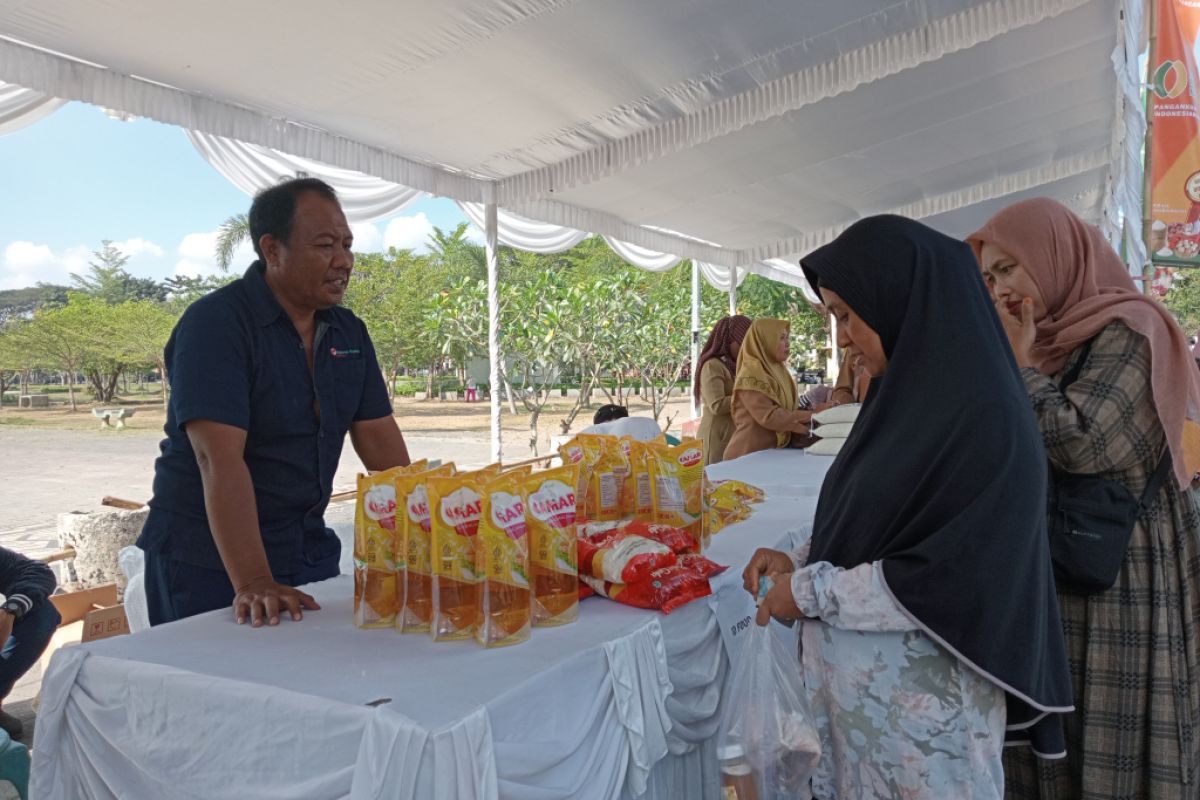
(263, 599)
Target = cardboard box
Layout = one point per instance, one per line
(87, 615)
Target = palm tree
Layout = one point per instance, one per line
(454, 250)
(232, 233)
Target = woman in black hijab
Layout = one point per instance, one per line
(931, 623)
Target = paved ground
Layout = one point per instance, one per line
(44, 473)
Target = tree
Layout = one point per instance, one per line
(230, 236)
(55, 337)
(458, 255)
(1183, 300)
(598, 315)
(19, 352)
(11, 360)
(459, 320)
(141, 330)
(533, 342)
(109, 281)
(394, 294)
(183, 290)
(21, 303)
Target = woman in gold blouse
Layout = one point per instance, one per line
(764, 394)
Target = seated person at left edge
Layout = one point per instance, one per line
(268, 375)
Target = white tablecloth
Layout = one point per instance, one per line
(623, 703)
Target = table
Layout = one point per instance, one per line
(622, 704)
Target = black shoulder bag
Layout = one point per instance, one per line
(1091, 519)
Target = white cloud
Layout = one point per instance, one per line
(197, 255)
(77, 259)
(26, 264)
(138, 246)
(27, 255)
(367, 238)
(410, 233)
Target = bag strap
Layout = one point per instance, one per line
(1072, 375)
(1156, 481)
(1164, 464)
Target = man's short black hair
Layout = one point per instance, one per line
(607, 413)
(273, 209)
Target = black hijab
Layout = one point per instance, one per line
(943, 477)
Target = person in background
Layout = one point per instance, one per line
(712, 386)
(27, 621)
(268, 375)
(816, 398)
(765, 411)
(1066, 300)
(852, 383)
(609, 412)
(471, 389)
(930, 627)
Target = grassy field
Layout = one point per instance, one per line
(423, 416)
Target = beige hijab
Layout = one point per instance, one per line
(1086, 286)
(759, 368)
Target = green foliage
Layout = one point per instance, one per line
(21, 303)
(456, 256)
(183, 290)
(1183, 300)
(394, 294)
(107, 280)
(232, 233)
(583, 318)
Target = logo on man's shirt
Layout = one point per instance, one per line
(349, 352)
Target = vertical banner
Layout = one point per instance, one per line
(1175, 160)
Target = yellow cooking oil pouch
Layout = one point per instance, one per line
(413, 548)
(502, 563)
(550, 514)
(677, 484)
(376, 590)
(455, 506)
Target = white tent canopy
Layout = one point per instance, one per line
(764, 126)
(738, 135)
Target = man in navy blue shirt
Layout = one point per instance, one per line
(267, 375)
(27, 621)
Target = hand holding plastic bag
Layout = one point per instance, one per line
(767, 744)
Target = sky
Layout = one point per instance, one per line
(78, 177)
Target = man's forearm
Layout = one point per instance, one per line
(380, 444)
(233, 519)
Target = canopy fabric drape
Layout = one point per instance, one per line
(252, 168)
(526, 234)
(20, 107)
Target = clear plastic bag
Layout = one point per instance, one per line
(767, 744)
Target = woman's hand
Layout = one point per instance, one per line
(1021, 331)
(764, 562)
(779, 602)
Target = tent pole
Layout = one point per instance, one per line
(491, 234)
(695, 330)
(1148, 149)
(733, 276)
(833, 366)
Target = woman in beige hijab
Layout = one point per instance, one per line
(764, 393)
